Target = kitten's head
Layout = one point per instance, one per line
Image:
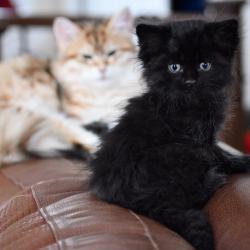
(187, 57)
(96, 51)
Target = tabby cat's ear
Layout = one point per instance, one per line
(225, 34)
(64, 31)
(122, 22)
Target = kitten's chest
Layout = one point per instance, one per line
(197, 124)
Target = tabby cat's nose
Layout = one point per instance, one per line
(103, 72)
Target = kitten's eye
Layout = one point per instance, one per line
(87, 56)
(174, 68)
(111, 53)
(205, 66)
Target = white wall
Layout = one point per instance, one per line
(91, 7)
(41, 40)
(48, 7)
(138, 7)
(41, 43)
(245, 40)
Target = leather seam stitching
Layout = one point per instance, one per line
(147, 232)
(13, 180)
(45, 217)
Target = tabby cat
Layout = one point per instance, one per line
(162, 159)
(36, 121)
(96, 68)
(30, 121)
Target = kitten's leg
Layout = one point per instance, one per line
(237, 164)
(232, 163)
(12, 157)
(168, 210)
(192, 225)
(15, 126)
(56, 136)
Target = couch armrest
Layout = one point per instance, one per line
(229, 214)
(56, 211)
(60, 213)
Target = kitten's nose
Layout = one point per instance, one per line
(190, 82)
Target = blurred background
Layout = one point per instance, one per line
(25, 27)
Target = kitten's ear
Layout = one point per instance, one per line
(64, 31)
(225, 34)
(122, 22)
(149, 34)
(145, 31)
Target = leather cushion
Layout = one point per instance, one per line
(60, 213)
(56, 211)
(229, 213)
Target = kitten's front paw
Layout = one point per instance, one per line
(238, 164)
(198, 231)
(246, 162)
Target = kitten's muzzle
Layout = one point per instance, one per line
(190, 83)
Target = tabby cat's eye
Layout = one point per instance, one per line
(111, 53)
(174, 68)
(87, 56)
(205, 66)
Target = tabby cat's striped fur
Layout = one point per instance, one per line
(96, 74)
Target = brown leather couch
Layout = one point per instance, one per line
(45, 204)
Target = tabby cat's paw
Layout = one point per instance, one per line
(91, 143)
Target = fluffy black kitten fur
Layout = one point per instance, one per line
(162, 159)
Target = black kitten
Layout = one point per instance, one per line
(162, 159)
